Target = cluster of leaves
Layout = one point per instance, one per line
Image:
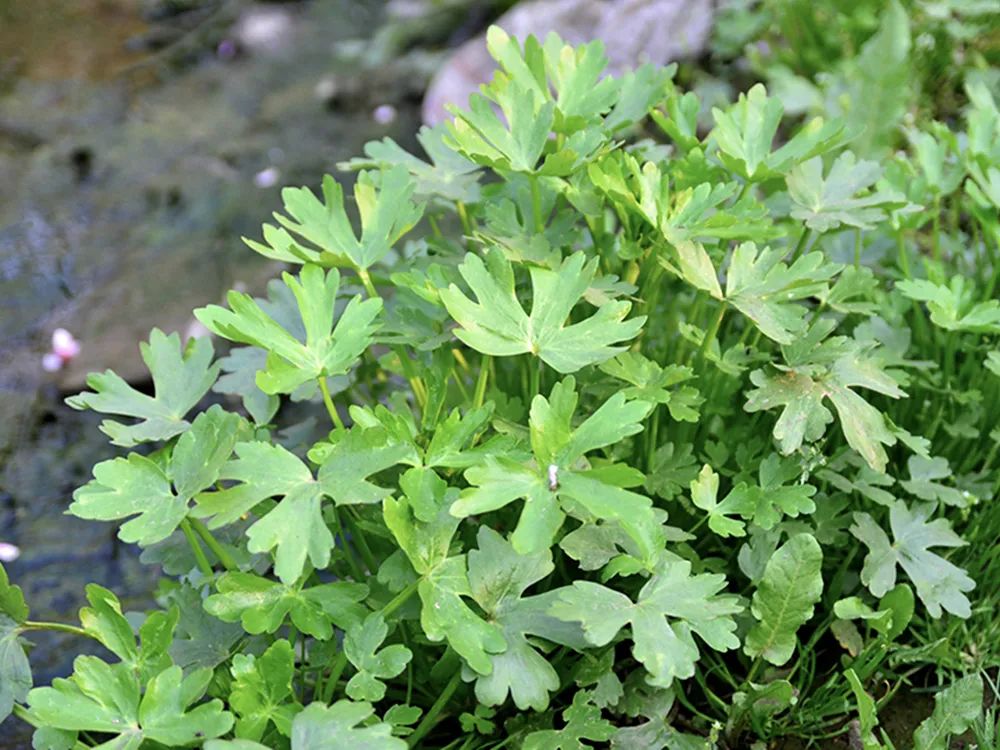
(659, 436)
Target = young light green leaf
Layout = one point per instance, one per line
(449, 175)
(498, 578)
(802, 389)
(922, 482)
(672, 607)
(181, 376)
(955, 708)
(656, 385)
(106, 698)
(704, 494)
(552, 484)
(496, 324)
(745, 131)
(261, 692)
(762, 287)
(827, 203)
(940, 584)
(159, 497)
(328, 350)
(387, 213)
(361, 646)
(953, 307)
(262, 605)
(791, 585)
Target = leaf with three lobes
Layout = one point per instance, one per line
(497, 325)
(159, 497)
(745, 131)
(444, 581)
(655, 384)
(295, 527)
(953, 307)
(672, 607)
(105, 698)
(762, 287)
(784, 599)
(801, 390)
(361, 646)
(940, 584)
(449, 175)
(955, 709)
(554, 484)
(262, 605)
(583, 722)
(498, 578)
(261, 692)
(328, 350)
(827, 203)
(181, 376)
(387, 213)
(342, 726)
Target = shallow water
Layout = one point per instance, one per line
(124, 189)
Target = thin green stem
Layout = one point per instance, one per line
(431, 717)
(710, 334)
(479, 395)
(328, 401)
(359, 537)
(801, 245)
(213, 544)
(536, 204)
(536, 379)
(463, 216)
(399, 599)
(331, 682)
(366, 281)
(199, 554)
(56, 627)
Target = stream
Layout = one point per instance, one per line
(136, 147)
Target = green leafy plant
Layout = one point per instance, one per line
(492, 530)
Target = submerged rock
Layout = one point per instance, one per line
(633, 32)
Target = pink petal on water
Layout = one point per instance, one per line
(9, 552)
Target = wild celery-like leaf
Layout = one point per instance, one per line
(671, 608)
(496, 323)
(827, 203)
(262, 605)
(361, 646)
(764, 288)
(295, 528)
(181, 377)
(953, 307)
(328, 349)
(159, 496)
(655, 384)
(940, 584)
(448, 175)
(444, 581)
(261, 692)
(498, 578)
(785, 597)
(744, 134)
(820, 371)
(386, 207)
(955, 708)
(343, 726)
(582, 722)
(554, 483)
(105, 698)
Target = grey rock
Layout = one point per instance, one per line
(633, 31)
